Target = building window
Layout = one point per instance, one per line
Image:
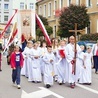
(55, 6)
(88, 3)
(61, 4)
(54, 29)
(69, 2)
(40, 10)
(44, 11)
(49, 9)
(89, 28)
(31, 5)
(21, 5)
(6, 6)
(6, 18)
(78, 2)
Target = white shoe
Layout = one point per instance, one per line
(18, 86)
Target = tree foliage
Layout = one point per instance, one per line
(71, 15)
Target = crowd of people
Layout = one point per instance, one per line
(54, 63)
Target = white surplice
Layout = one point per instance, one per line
(43, 52)
(55, 50)
(81, 63)
(86, 72)
(27, 68)
(61, 67)
(48, 68)
(69, 57)
(36, 71)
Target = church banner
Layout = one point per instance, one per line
(27, 25)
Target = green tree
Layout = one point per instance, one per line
(48, 28)
(71, 15)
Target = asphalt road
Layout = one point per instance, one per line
(38, 90)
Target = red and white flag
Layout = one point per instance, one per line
(13, 34)
(42, 27)
(8, 24)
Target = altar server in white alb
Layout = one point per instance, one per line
(70, 51)
(36, 71)
(81, 61)
(86, 72)
(55, 46)
(48, 67)
(27, 69)
(61, 64)
(43, 52)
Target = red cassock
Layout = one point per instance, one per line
(61, 52)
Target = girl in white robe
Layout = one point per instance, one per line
(55, 47)
(81, 62)
(48, 67)
(86, 72)
(61, 64)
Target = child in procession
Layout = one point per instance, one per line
(48, 67)
(16, 65)
(87, 66)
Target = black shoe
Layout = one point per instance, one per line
(55, 80)
(38, 81)
(48, 86)
(60, 83)
(33, 82)
(0, 70)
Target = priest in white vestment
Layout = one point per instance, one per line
(70, 51)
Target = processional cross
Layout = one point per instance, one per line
(75, 47)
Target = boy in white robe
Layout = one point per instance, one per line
(48, 67)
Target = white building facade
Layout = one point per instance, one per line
(5, 10)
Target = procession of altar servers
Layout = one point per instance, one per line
(55, 66)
